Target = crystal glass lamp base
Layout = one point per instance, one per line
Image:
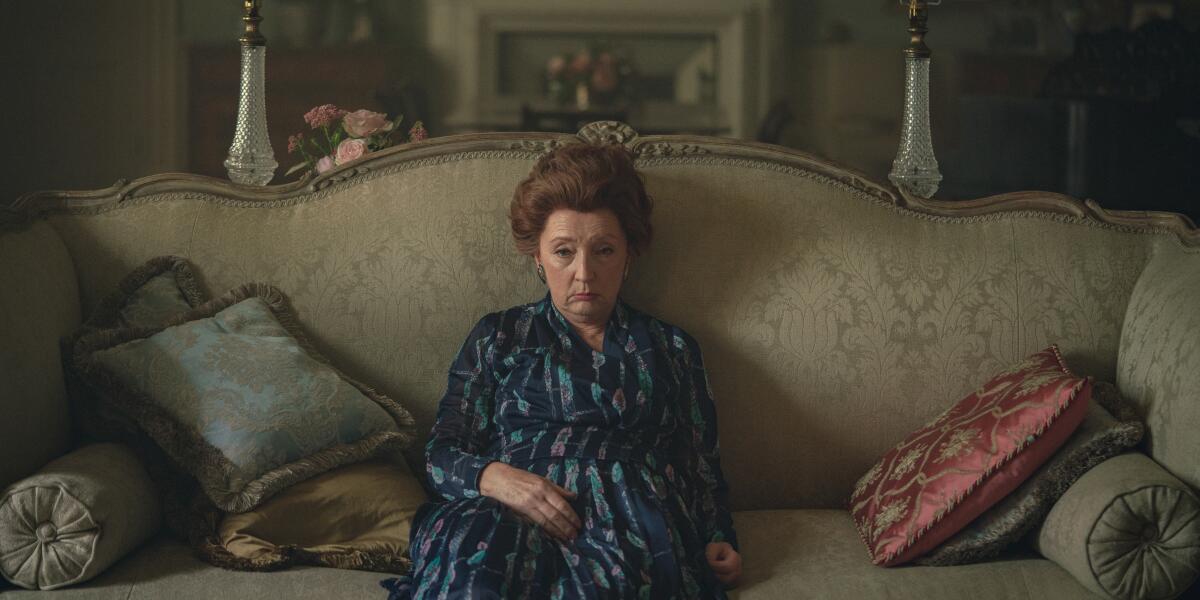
(915, 169)
(919, 182)
(251, 160)
(251, 172)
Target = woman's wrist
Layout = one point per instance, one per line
(487, 482)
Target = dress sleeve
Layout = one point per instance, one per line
(463, 431)
(696, 438)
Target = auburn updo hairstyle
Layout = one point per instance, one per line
(584, 178)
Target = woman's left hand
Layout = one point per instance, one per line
(725, 562)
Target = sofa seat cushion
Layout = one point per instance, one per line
(788, 555)
(165, 568)
(793, 554)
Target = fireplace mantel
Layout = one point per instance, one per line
(464, 37)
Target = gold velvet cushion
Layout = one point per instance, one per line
(1110, 427)
(353, 517)
(75, 517)
(235, 395)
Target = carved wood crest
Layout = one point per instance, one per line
(607, 132)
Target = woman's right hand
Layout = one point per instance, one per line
(533, 497)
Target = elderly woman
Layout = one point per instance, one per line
(576, 445)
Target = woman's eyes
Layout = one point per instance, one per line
(565, 252)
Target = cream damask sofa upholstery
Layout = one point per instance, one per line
(835, 313)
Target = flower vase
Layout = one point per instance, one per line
(581, 96)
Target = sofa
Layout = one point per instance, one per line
(836, 315)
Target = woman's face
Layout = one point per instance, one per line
(584, 255)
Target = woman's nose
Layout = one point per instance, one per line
(583, 270)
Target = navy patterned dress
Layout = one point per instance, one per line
(631, 429)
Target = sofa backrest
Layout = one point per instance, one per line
(39, 303)
(835, 314)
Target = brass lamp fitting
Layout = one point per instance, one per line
(918, 17)
(250, 17)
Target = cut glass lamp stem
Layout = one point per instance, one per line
(251, 160)
(915, 169)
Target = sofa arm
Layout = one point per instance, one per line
(1126, 529)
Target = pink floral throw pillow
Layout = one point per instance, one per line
(947, 473)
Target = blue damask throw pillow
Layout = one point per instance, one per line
(234, 393)
(150, 295)
(160, 289)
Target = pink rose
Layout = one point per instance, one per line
(325, 164)
(363, 122)
(349, 150)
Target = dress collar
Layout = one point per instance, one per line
(616, 331)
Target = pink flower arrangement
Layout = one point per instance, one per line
(607, 76)
(325, 164)
(323, 116)
(417, 132)
(348, 150)
(362, 123)
(340, 136)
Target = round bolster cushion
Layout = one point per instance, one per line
(1126, 529)
(76, 517)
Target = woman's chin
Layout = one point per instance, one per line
(592, 308)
